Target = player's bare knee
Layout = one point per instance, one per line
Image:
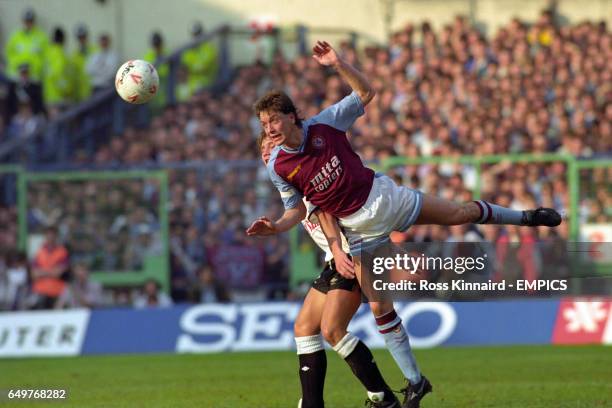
(301, 328)
(333, 333)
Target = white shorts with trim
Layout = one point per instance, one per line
(389, 208)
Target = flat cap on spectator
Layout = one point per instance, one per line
(81, 31)
(29, 15)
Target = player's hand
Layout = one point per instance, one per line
(261, 226)
(344, 266)
(324, 54)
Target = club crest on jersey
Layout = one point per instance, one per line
(318, 142)
(328, 173)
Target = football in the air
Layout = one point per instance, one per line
(137, 81)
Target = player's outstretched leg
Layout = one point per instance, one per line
(310, 350)
(396, 339)
(436, 210)
(390, 327)
(352, 350)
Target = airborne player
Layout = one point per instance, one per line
(314, 159)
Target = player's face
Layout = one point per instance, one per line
(266, 147)
(277, 125)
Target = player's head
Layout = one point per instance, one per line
(278, 116)
(265, 146)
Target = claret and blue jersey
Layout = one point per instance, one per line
(324, 168)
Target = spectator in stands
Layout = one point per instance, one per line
(276, 267)
(27, 46)
(122, 297)
(183, 90)
(81, 84)
(209, 289)
(152, 296)
(22, 90)
(102, 65)
(8, 232)
(154, 55)
(143, 245)
(81, 292)
(58, 74)
(25, 122)
(201, 61)
(13, 280)
(48, 271)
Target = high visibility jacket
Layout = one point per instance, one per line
(81, 83)
(57, 76)
(202, 65)
(26, 47)
(163, 71)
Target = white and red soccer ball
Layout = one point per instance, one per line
(137, 81)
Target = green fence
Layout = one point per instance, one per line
(131, 268)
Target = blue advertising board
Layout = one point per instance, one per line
(208, 328)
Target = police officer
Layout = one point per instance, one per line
(81, 84)
(27, 46)
(154, 55)
(201, 61)
(57, 89)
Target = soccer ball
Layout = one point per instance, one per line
(137, 81)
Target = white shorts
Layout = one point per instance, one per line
(389, 208)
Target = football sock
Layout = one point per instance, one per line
(495, 214)
(360, 359)
(398, 344)
(313, 365)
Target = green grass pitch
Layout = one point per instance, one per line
(518, 376)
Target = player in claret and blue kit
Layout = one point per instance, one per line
(314, 159)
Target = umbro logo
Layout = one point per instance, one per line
(305, 368)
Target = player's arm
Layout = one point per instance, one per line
(331, 230)
(295, 210)
(326, 55)
(265, 226)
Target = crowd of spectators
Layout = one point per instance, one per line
(109, 225)
(540, 88)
